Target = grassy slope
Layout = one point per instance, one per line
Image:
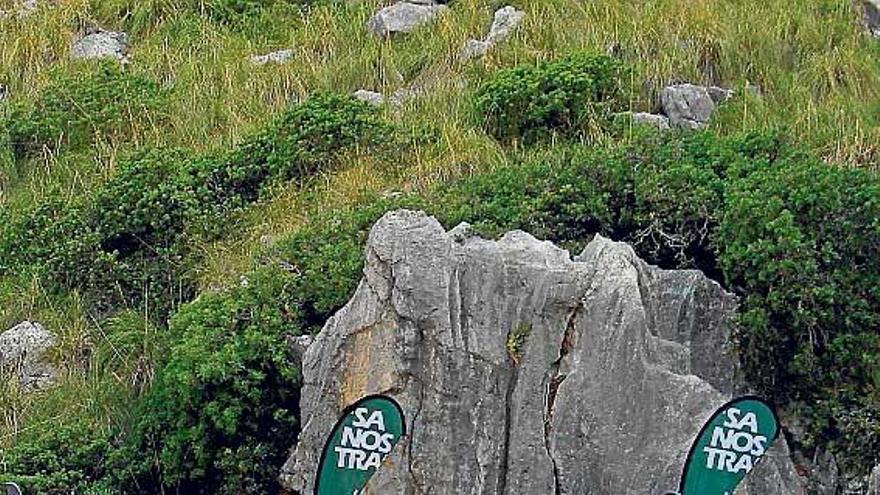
(816, 69)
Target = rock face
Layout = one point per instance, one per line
(688, 106)
(103, 44)
(278, 57)
(522, 371)
(22, 349)
(874, 483)
(403, 17)
(506, 20)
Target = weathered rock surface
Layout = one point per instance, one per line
(874, 483)
(661, 122)
(277, 57)
(688, 106)
(23, 351)
(403, 17)
(102, 44)
(522, 371)
(871, 16)
(371, 97)
(506, 20)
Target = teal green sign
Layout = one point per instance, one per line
(361, 440)
(729, 446)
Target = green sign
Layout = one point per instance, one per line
(361, 440)
(730, 444)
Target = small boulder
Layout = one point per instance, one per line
(279, 57)
(719, 95)
(688, 106)
(475, 49)
(23, 350)
(403, 17)
(661, 122)
(371, 97)
(506, 20)
(871, 16)
(102, 44)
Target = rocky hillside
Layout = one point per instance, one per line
(633, 210)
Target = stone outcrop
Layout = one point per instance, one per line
(23, 352)
(403, 17)
(101, 44)
(522, 370)
(505, 21)
(874, 482)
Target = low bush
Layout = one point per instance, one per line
(81, 105)
(530, 103)
(126, 245)
(223, 410)
(57, 461)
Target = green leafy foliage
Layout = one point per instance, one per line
(223, 410)
(530, 103)
(77, 107)
(126, 245)
(57, 460)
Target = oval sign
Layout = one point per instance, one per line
(358, 445)
(729, 446)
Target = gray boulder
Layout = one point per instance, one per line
(506, 20)
(102, 44)
(660, 122)
(688, 106)
(23, 352)
(371, 97)
(871, 16)
(278, 57)
(523, 371)
(403, 17)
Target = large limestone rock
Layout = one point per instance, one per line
(23, 351)
(522, 371)
(102, 44)
(403, 17)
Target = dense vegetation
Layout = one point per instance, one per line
(177, 221)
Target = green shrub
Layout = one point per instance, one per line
(559, 97)
(223, 410)
(57, 460)
(127, 244)
(77, 107)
